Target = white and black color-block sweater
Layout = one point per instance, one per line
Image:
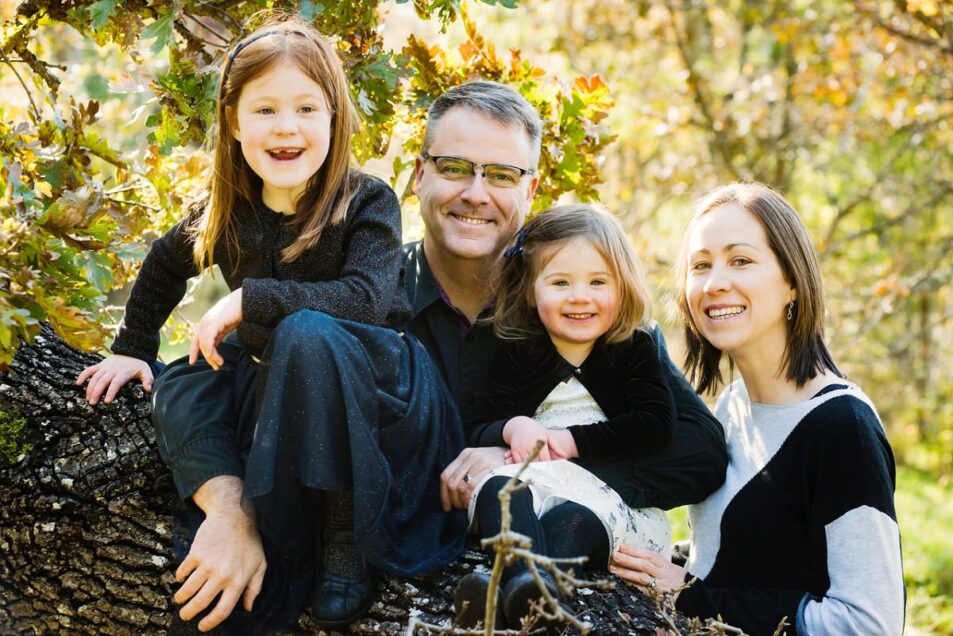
(804, 527)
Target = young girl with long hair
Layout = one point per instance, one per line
(579, 374)
(291, 399)
(804, 530)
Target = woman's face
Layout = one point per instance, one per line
(735, 289)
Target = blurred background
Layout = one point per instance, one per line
(844, 106)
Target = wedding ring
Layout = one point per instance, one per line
(466, 478)
(652, 583)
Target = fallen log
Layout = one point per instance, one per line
(86, 529)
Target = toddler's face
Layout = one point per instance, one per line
(577, 297)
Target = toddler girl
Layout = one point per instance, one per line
(579, 375)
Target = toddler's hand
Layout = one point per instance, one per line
(111, 374)
(562, 445)
(522, 433)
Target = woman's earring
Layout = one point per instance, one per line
(791, 310)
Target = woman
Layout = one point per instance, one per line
(804, 528)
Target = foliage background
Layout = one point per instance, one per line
(844, 105)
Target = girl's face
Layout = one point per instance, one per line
(735, 288)
(283, 123)
(577, 298)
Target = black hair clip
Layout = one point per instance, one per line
(517, 248)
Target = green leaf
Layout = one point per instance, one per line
(310, 9)
(161, 30)
(98, 270)
(101, 12)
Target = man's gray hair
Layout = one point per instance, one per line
(503, 103)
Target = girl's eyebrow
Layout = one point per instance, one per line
(298, 97)
(565, 274)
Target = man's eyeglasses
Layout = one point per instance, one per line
(499, 175)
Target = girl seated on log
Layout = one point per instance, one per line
(281, 434)
(579, 375)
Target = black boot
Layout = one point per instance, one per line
(469, 600)
(345, 587)
(518, 593)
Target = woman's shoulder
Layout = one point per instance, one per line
(842, 410)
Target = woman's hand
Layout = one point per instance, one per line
(647, 570)
(562, 445)
(217, 322)
(522, 433)
(111, 374)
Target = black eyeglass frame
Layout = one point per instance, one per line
(474, 165)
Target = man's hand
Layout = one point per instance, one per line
(226, 556)
(522, 433)
(110, 374)
(458, 480)
(223, 317)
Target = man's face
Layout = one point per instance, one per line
(473, 218)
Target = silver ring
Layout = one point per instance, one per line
(652, 583)
(466, 478)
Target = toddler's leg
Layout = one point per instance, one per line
(572, 530)
(524, 520)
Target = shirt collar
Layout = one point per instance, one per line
(428, 290)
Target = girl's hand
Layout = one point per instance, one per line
(217, 322)
(111, 374)
(522, 433)
(562, 445)
(641, 567)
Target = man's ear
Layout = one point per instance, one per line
(531, 191)
(418, 174)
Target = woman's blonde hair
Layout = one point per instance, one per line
(328, 193)
(805, 353)
(516, 317)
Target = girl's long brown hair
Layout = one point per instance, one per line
(328, 193)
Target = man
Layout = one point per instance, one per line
(449, 274)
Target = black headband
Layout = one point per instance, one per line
(244, 44)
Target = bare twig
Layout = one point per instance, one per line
(29, 95)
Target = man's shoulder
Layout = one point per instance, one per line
(412, 256)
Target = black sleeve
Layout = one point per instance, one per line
(159, 287)
(364, 290)
(647, 422)
(757, 611)
(497, 401)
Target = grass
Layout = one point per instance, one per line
(925, 513)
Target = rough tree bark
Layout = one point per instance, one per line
(86, 532)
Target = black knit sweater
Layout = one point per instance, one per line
(353, 272)
(625, 380)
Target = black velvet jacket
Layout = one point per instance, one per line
(353, 272)
(625, 379)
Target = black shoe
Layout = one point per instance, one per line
(518, 593)
(469, 600)
(339, 601)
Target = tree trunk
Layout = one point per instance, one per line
(86, 531)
